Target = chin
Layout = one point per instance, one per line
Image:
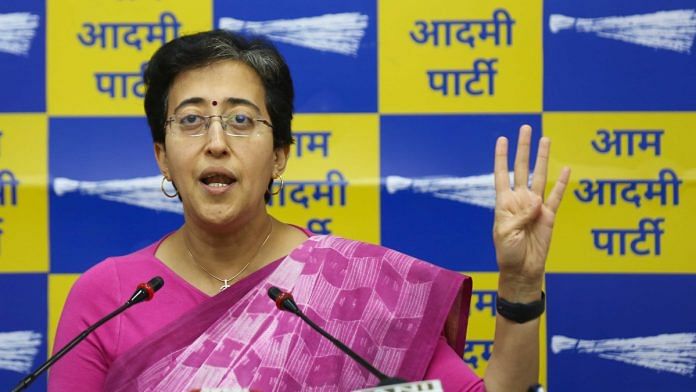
(225, 215)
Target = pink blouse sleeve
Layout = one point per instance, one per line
(451, 370)
(84, 367)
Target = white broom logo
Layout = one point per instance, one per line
(140, 191)
(18, 350)
(338, 33)
(674, 353)
(475, 190)
(16, 32)
(670, 30)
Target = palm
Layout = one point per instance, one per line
(523, 220)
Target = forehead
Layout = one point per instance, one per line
(218, 82)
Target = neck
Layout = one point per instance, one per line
(226, 253)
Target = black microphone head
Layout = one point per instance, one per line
(274, 292)
(156, 283)
(283, 300)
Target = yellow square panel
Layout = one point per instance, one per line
(464, 57)
(332, 177)
(97, 50)
(23, 193)
(630, 204)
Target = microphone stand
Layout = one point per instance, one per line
(284, 301)
(383, 378)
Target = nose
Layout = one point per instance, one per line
(209, 122)
(217, 140)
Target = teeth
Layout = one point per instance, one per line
(217, 180)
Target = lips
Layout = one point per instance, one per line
(217, 178)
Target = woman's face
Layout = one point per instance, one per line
(221, 178)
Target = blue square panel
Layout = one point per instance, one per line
(22, 328)
(613, 55)
(23, 56)
(437, 193)
(621, 332)
(105, 197)
(330, 46)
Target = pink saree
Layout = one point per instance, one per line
(388, 307)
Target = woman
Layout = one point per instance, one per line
(219, 108)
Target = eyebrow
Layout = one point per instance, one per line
(232, 101)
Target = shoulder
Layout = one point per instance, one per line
(337, 249)
(105, 282)
(351, 248)
(116, 267)
(101, 289)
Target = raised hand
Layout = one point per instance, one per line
(523, 219)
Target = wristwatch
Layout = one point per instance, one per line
(519, 312)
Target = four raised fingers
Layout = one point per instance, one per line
(502, 178)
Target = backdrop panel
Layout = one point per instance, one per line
(399, 105)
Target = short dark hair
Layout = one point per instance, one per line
(205, 48)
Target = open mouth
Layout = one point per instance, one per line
(217, 180)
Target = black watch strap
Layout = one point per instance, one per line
(521, 313)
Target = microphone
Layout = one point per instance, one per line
(284, 301)
(144, 292)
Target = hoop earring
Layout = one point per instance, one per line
(176, 193)
(280, 188)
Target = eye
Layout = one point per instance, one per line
(189, 120)
(240, 121)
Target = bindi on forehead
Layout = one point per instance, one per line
(201, 102)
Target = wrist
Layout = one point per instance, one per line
(515, 289)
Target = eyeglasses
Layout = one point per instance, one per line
(235, 124)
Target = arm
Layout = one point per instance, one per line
(84, 367)
(522, 235)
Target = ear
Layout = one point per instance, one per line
(162, 162)
(280, 159)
